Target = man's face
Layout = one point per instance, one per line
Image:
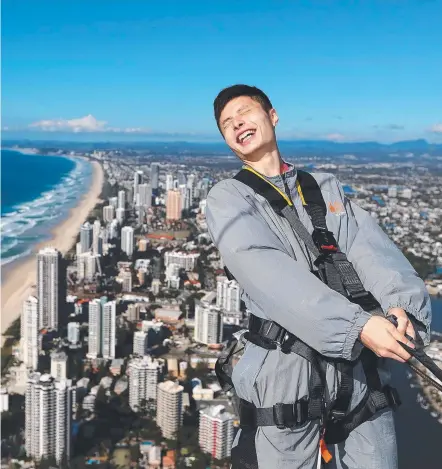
(247, 128)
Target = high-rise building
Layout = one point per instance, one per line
(156, 286)
(120, 215)
(94, 339)
(108, 213)
(113, 201)
(145, 192)
(74, 332)
(109, 330)
(140, 343)
(216, 431)
(127, 281)
(113, 229)
(29, 333)
(138, 177)
(127, 240)
(59, 365)
(169, 408)
(144, 375)
(121, 199)
(86, 237)
(208, 324)
(181, 177)
(228, 295)
(169, 182)
(173, 205)
(185, 260)
(154, 175)
(48, 417)
(133, 312)
(87, 265)
(142, 245)
(97, 241)
(51, 287)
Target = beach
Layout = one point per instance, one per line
(21, 277)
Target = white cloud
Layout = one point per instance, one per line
(335, 137)
(82, 124)
(436, 128)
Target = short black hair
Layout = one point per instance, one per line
(235, 91)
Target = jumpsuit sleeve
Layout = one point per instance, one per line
(385, 271)
(274, 281)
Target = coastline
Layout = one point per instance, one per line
(22, 276)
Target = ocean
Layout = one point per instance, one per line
(37, 193)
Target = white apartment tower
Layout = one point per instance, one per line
(102, 328)
(138, 177)
(59, 365)
(154, 175)
(29, 333)
(48, 417)
(50, 287)
(169, 408)
(74, 332)
(169, 182)
(122, 199)
(208, 324)
(97, 240)
(120, 215)
(140, 343)
(86, 237)
(227, 294)
(144, 375)
(127, 240)
(108, 213)
(94, 340)
(216, 431)
(109, 330)
(145, 193)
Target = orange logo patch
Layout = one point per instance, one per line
(336, 207)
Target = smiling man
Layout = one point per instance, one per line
(319, 278)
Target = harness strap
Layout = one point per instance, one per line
(279, 415)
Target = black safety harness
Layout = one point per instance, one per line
(335, 270)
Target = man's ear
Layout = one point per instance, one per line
(273, 117)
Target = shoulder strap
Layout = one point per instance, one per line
(276, 198)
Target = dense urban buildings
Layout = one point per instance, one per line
(135, 315)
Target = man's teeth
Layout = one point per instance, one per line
(246, 136)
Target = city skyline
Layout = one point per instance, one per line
(341, 73)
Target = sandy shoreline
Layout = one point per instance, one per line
(21, 278)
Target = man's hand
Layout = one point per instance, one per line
(380, 336)
(404, 324)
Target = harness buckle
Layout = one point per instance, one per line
(290, 415)
(324, 240)
(364, 299)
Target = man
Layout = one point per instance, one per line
(277, 276)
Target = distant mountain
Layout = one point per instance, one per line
(288, 147)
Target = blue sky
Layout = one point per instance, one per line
(102, 69)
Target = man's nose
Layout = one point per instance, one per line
(238, 122)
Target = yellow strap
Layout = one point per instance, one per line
(289, 202)
(298, 186)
